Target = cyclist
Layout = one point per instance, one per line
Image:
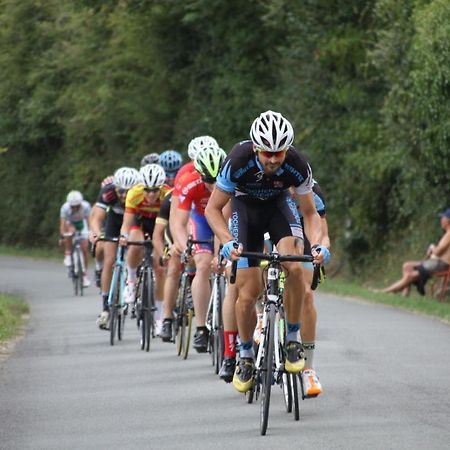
(194, 191)
(151, 158)
(170, 161)
(74, 215)
(109, 210)
(194, 147)
(311, 383)
(163, 242)
(99, 246)
(142, 206)
(256, 176)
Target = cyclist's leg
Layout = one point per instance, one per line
(134, 257)
(99, 258)
(286, 232)
(201, 289)
(68, 228)
(229, 332)
(113, 223)
(172, 282)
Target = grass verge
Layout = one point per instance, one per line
(415, 302)
(12, 315)
(40, 253)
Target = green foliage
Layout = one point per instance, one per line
(90, 86)
(12, 311)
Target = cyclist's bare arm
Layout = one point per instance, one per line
(215, 217)
(180, 220)
(325, 236)
(128, 221)
(95, 222)
(158, 237)
(62, 226)
(311, 219)
(173, 209)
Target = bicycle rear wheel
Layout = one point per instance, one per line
(267, 369)
(295, 399)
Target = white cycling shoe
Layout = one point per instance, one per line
(311, 383)
(130, 293)
(103, 320)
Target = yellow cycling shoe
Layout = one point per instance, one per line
(243, 375)
(295, 360)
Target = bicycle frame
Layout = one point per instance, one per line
(77, 261)
(118, 270)
(146, 280)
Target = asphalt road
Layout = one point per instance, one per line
(385, 374)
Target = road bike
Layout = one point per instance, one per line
(184, 311)
(116, 303)
(214, 320)
(270, 359)
(77, 265)
(145, 295)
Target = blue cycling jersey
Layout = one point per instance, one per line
(243, 175)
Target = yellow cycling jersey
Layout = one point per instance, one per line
(136, 203)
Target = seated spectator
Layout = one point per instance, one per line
(418, 272)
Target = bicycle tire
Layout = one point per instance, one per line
(113, 314)
(249, 395)
(296, 405)
(150, 305)
(220, 340)
(182, 319)
(73, 271)
(267, 369)
(187, 342)
(80, 272)
(287, 391)
(144, 310)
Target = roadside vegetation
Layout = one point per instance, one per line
(415, 302)
(13, 314)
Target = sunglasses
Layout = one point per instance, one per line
(152, 189)
(209, 180)
(268, 154)
(121, 191)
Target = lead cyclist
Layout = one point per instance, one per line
(256, 177)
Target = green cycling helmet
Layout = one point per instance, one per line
(208, 161)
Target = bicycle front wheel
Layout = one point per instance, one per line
(114, 308)
(182, 319)
(80, 271)
(267, 369)
(149, 324)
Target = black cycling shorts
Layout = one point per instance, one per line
(250, 220)
(113, 224)
(146, 224)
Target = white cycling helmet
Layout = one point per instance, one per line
(153, 175)
(74, 198)
(199, 143)
(272, 132)
(151, 158)
(126, 177)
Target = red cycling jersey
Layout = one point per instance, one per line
(191, 190)
(187, 168)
